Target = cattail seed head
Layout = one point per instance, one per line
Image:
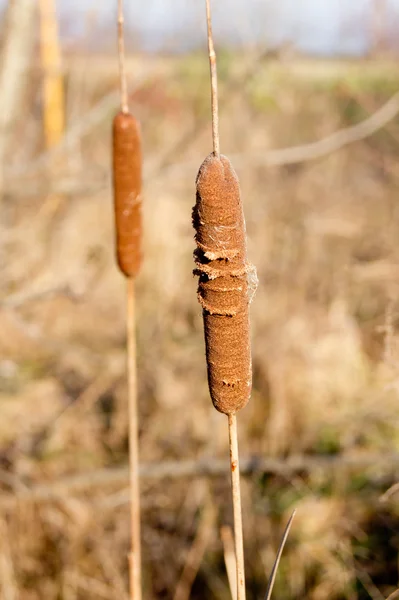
(221, 264)
(127, 181)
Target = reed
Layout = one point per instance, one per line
(127, 181)
(222, 266)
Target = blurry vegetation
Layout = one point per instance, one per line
(324, 237)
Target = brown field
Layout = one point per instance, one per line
(324, 237)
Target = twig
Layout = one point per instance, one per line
(122, 61)
(235, 484)
(214, 82)
(367, 583)
(20, 299)
(135, 554)
(392, 491)
(272, 579)
(84, 402)
(195, 554)
(339, 139)
(229, 559)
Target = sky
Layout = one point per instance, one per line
(315, 26)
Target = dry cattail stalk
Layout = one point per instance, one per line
(223, 292)
(237, 512)
(127, 177)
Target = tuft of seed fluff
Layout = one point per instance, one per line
(222, 267)
(127, 182)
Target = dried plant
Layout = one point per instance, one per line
(127, 178)
(222, 267)
(273, 574)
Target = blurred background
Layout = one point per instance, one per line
(309, 102)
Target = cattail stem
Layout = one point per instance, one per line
(135, 553)
(122, 61)
(235, 485)
(214, 83)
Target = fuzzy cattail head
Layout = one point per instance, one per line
(127, 180)
(221, 263)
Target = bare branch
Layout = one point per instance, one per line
(367, 583)
(337, 140)
(385, 463)
(392, 491)
(284, 156)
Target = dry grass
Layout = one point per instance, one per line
(324, 239)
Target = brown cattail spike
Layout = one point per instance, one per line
(221, 263)
(127, 192)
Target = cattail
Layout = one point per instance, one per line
(127, 175)
(221, 263)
